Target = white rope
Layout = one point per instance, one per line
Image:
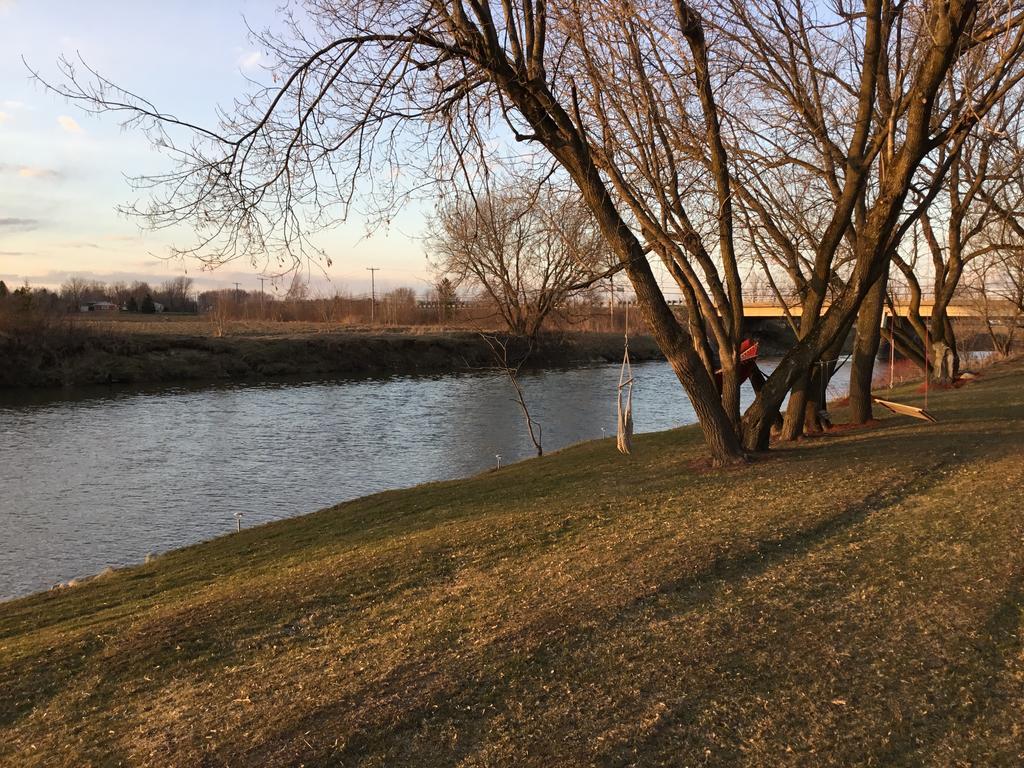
(624, 436)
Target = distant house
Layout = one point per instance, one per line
(98, 306)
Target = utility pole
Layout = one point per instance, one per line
(236, 291)
(261, 295)
(373, 288)
(611, 302)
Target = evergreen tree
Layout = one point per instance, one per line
(446, 299)
(147, 307)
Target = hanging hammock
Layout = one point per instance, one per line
(624, 437)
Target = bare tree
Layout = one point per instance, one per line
(964, 206)
(176, 293)
(995, 281)
(119, 293)
(139, 289)
(667, 117)
(73, 291)
(500, 354)
(995, 286)
(524, 247)
(399, 306)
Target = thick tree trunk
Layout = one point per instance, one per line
(942, 353)
(796, 409)
(813, 421)
(763, 413)
(865, 352)
(720, 434)
(730, 389)
(941, 363)
(698, 330)
(951, 336)
(834, 327)
(808, 402)
(757, 382)
(816, 407)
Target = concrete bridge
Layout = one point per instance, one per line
(774, 309)
(770, 308)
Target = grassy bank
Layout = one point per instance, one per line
(184, 349)
(852, 600)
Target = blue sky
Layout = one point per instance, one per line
(62, 171)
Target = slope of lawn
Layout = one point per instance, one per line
(854, 599)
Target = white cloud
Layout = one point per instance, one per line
(33, 172)
(250, 60)
(7, 5)
(69, 124)
(4, 117)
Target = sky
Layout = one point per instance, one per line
(62, 172)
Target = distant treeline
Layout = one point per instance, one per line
(439, 305)
(175, 295)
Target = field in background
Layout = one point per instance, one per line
(203, 326)
(249, 320)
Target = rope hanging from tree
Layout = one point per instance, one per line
(900, 408)
(624, 437)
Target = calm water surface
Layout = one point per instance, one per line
(101, 478)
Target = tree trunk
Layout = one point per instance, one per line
(720, 434)
(942, 354)
(757, 382)
(942, 362)
(763, 413)
(793, 424)
(951, 336)
(730, 389)
(865, 351)
(813, 421)
(796, 365)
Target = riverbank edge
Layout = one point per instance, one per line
(89, 357)
(689, 434)
(193, 613)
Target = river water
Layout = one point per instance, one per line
(98, 478)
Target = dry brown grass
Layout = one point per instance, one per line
(852, 600)
(206, 326)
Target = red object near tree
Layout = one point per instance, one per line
(748, 361)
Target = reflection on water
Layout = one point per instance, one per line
(109, 475)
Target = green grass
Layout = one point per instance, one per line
(854, 599)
